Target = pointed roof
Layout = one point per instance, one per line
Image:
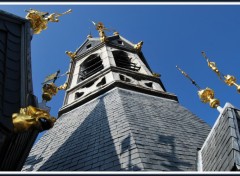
(122, 127)
(115, 40)
(87, 44)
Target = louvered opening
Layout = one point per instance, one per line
(122, 60)
(90, 66)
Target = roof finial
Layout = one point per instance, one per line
(205, 95)
(138, 46)
(115, 33)
(100, 27)
(156, 75)
(90, 33)
(228, 79)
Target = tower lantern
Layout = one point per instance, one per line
(117, 116)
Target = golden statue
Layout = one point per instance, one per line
(205, 95)
(39, 20)
(71, 54)
(100, 27)
(63, 87)
(138, 46)
(32, 118)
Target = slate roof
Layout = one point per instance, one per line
(221, 150)
(121, 130)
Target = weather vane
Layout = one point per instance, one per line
(39, 20)
(49, 89)
(205, 95)
(228, 79)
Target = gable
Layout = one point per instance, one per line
(87, 45)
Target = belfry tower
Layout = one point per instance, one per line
(117, 116)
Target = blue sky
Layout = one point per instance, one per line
(172, 34)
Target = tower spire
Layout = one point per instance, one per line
(112, 94)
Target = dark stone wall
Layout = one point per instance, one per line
(10, 70)
(121, 130)
(15, 89)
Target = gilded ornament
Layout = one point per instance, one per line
(205, 95)
(156, 75)
(32, 118)
(138, 46)
(228, 79)
(39, 20)
(72, 55)
(63, 87)
(101, 28)
(49, 90)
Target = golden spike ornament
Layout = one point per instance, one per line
(228, 79)
(205, 95)
(138, 46)
(101, 28)
(32, 118)
(39, 20)
(186, 75)
(212, 65)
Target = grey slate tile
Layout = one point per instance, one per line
(152, 123)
